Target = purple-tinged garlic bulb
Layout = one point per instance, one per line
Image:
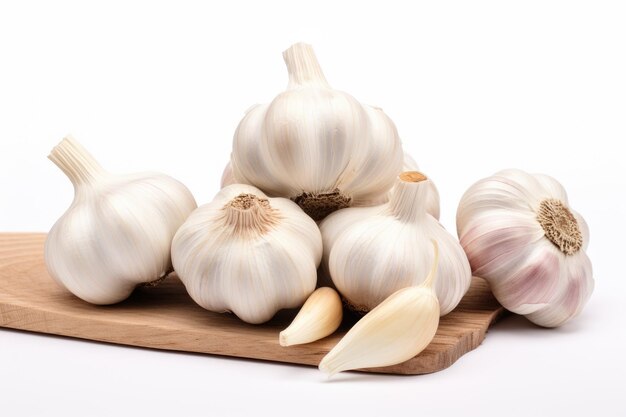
(521, 235)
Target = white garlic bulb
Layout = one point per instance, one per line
(520, 234)
(318, 146)
(117, 232)
(249, 254)
(371, 252)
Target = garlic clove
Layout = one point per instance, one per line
(396, 330)
(378, 163)
(574, 292)
(496, 247)
(319, 317)
(530, 287)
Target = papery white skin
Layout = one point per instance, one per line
(118, 230)
(314, 139)
(253, 274)
(505, 243)
(371, 252)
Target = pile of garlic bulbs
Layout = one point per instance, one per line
(318, 193)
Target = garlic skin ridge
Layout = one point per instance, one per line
(521, 235)
(117, 232)
(396, 330)
(371, 252)
(315, 145)
(248, 254)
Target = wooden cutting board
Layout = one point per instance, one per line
(165, 317)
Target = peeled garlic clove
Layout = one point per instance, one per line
(319, 317)
(520, 234)
(117, 232)
(395, 331)
(372, 252)
(315, 145)
(247, 253)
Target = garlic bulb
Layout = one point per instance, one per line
(318, 146)
(319, 317)
(247, 253)
(371, 252)
(117, 232)
(396, 330)
(520, 234)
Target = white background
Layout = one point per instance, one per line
(473, 87)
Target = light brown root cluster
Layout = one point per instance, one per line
(248, 213)
(560, 226)
(318, 206)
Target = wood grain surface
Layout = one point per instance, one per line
(165, 317)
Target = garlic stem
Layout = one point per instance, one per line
(303, 66)
(249, 214)
(74, 160)
(408, 201)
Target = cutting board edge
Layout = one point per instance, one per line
(17, 316)
(50, 318)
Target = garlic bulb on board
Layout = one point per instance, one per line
(247, 253)
(520, 234)
(317, 146)
(371, 252)
(396, 330)
(319, 317)
(118, 230)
